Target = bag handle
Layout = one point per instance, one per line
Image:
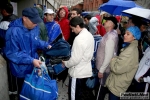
(41, 58)
(34, 70)
(43, 73)
(43, 65)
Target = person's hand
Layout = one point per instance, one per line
(141, 79)
(49, 46)
(37, 63)
(112, 58)
(63, 64)
(100, 75)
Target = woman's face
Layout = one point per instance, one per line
(128, 37)
(62, 13)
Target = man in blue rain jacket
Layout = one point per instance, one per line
(22, 42)
(52, 27)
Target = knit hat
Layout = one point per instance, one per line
(135, 32)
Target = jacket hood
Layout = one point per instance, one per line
(10, 18)
(40, 12)
(50, 23)
(93, 25)
(99, 18)
(66, 10)
(18, 23)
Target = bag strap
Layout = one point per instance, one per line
(41, 58)
(43, 73)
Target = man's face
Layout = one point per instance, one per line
(86, 21)
(143, 28)
(108, 24)
(74, 14)
(49, 17)
(75, 29)
(125, 25)
(62, 13)
(27, 23)
(3, 12)
(130, 23)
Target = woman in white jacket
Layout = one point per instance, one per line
(80, 68)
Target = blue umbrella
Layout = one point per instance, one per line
(85, 13)
(115, 7)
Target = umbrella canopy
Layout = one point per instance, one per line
(85, 13)
(115, 7)
(140, 12)
(93, 13)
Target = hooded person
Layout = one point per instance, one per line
(124, 66)
(93, 25)
(100, 28)
(62, 19)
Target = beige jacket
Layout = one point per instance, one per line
(123, 69)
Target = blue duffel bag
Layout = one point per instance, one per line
(39, 87)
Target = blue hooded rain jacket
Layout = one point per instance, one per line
(54, 31)
(21, 47)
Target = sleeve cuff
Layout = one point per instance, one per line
(32, 60)
(65, 63)
(147, 79)
(101, 71)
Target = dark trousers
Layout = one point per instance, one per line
(20, 82)
(11, 81)
(113, 97)
(82, 92)
(12, 85)
(137, 87)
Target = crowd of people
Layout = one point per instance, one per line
(122, 56)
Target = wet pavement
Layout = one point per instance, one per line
(63, 90)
